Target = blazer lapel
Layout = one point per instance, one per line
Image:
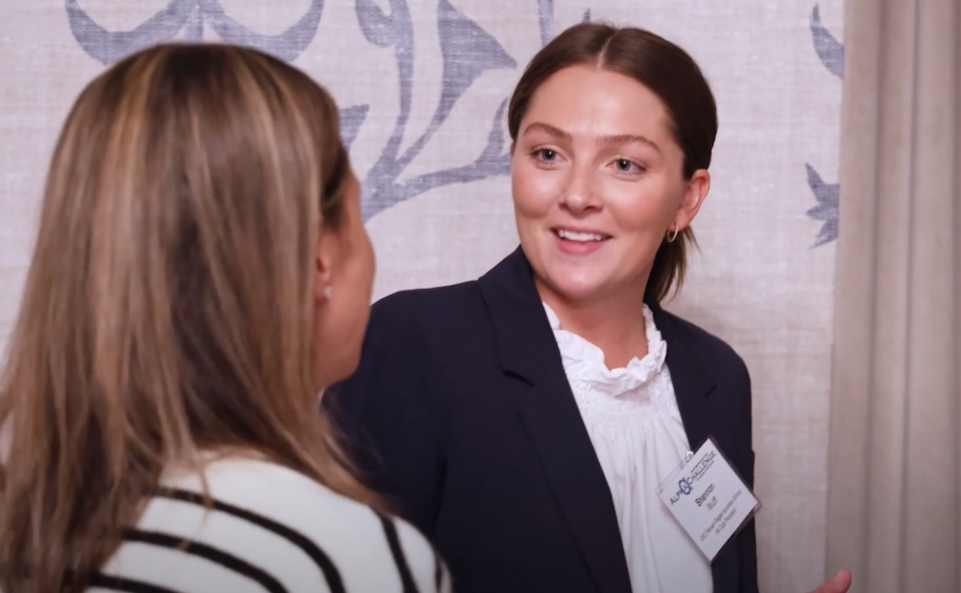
(529, 351)
(693, 386)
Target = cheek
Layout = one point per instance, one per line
(356, 283)
(364, 270)
(533, 190)
(370, 258)
(646, 209)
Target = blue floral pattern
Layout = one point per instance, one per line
(831, 53)
(468, 51)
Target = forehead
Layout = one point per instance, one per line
(589, 100)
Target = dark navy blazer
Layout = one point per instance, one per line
(461, 414)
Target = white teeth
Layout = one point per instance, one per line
(581, 237)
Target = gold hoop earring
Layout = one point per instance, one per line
(671, 235)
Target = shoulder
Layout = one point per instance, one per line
(295, 530)
(421, 324)
(275, 491)
(420, 303)
(710, 350)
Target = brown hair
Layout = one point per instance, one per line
(167, 308)
(670, 73)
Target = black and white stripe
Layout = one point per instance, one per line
(186, 544)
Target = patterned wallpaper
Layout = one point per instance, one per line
(467, 51)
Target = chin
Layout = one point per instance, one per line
(574, 289)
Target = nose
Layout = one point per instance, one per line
(580, 194)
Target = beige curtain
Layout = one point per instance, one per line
(894, 511)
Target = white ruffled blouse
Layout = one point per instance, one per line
(634, 424)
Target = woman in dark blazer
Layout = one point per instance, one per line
(523, 420)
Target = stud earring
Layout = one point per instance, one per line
(328, 290)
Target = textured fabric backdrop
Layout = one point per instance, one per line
(423, 85)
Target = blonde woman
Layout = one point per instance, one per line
(201, 273)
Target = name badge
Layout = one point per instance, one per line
(708, 499)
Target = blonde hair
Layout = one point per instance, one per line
(168, 306)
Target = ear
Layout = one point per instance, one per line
(323, 260)
(695, 192)
(513, 146)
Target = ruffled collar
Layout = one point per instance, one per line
(583, 361)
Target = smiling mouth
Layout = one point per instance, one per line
(581, 236)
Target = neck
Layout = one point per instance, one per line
(614, 323)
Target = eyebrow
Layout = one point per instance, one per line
(606, 140)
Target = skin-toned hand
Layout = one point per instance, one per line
(839, 584)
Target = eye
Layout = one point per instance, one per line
(627, 166)
(546, 154)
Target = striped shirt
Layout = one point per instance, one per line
(271, 530)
